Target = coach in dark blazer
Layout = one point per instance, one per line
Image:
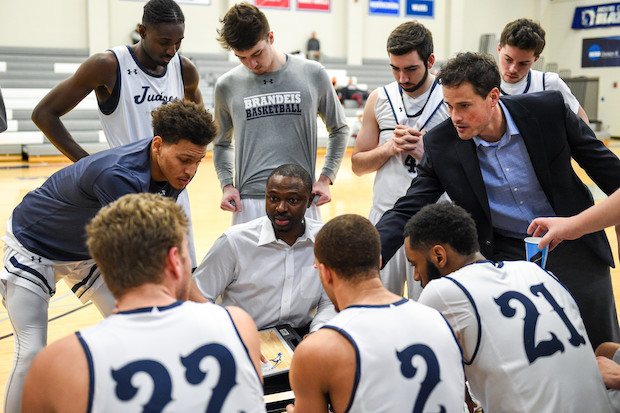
(506, 171)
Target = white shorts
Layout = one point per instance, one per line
(40, 275)
(252, 208)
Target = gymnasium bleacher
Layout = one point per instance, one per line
(27, 74)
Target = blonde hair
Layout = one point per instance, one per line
(130, 238)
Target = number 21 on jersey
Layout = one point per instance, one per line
(543, 348)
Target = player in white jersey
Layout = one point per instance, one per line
(521, 43)
(363, 360)
(389, 142)
(155, 353)
(525, 347)
(129, 82)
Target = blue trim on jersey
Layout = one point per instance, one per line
(399, 302)
(453, 335)
(135, 59)
(242, 343)
(391, 106)
(149, 309)
(471, 299)
(432, 114)
(358, 362)
(181, 70)
(544, 87)
(32, 271)
(85, 281)
(91, 372)
(107, 107)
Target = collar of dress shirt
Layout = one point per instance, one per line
(511, 130)
(268, 235)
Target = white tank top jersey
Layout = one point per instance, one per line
(396, 108)
(126, 115)
(537, 81)
(407, 359)
(186, 357)
(524, 344)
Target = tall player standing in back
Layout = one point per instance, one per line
(129, 83)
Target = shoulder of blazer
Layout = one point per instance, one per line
(538, 100)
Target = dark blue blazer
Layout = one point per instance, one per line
(553, 135)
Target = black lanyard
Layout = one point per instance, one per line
(400, 89)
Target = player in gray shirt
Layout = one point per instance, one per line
(269, 106)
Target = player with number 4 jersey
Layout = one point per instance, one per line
(390, 140)
(525, 347)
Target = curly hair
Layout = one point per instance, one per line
(476, 68)
(130, 238)
(243, 26)
(408, 37)
(162, 11)
(182, 119)
(350, 245)
(525, 34)
(443, 223)
(292, 170)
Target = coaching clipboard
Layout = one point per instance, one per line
(277, 345)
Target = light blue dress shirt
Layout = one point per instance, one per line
(514, 193)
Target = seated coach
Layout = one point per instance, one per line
(266, 266)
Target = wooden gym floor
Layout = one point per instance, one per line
(350, 194)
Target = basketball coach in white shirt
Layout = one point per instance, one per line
(266, 266)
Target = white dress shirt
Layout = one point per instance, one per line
(275, 283)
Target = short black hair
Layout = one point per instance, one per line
(480, 70)
(292, 170)
(162, 11)
(443, 223)
(182, 119)
(525, 34)
(350, 245)
(243, 26)
(408, 37)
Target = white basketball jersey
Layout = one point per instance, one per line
(140, 92)
(536, 81)
(396, 108)
(407, 359)
(524, 344)
(186, 357)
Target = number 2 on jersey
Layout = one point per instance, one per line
(162, 383)
(543, 348)
(432, 377)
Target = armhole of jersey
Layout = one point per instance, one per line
(243, 344)
(358, 364)
(109, 106)
(544, 86)
(473, 304)
(182, 73)
(91, 372)
(390, 102)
